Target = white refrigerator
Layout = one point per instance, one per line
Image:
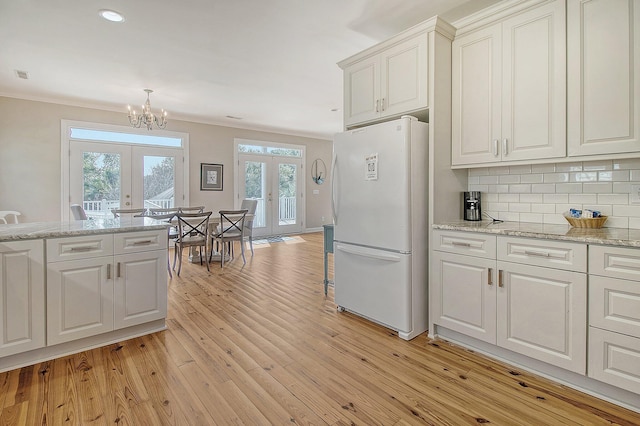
(379, 202)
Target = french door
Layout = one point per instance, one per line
(105, 176)
(276, 182)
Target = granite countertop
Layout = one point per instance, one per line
(38, 230)
(622, 237)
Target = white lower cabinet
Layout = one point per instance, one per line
(533, 304)
(22, 299)
(614, 316)
(109, 282)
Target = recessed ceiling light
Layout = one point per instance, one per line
(111, 15)
(335, 109)
(233, 117)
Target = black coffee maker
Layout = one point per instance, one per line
(471, 205)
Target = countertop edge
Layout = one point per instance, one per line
(621, 237)
(46, 230)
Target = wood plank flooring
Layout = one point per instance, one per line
(261, 345)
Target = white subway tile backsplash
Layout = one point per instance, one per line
(532, 178)
(531, 217)
(583, 199)
(523, 188)
(613, 199)
(520, 207)
(597, 165)
(556, 177)
(543, 208)
(569, 167)
(555, 198)
(543, 168)
(509, 179)
(531, 198)
(597, 188)
(543, 188)
(488, 180)
(626, 164)
(543, 192)
(583, 177)
(569, 188)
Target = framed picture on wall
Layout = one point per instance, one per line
(210, 177)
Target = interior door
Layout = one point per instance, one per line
(105, 176)
(275, 182)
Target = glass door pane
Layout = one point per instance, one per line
(158, 182)
(254, 185)
(100, 178)
(287, 218)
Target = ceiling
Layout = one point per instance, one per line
(269, 63)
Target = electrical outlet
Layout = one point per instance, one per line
(322, 219)
(634, 195)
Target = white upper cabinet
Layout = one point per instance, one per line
(388, 83)
(603, 39)
(509, 89)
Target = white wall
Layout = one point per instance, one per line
(30, 175)
(541, 193)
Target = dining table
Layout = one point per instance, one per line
(214, 221)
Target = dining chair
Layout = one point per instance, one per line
(172, 233)
(78, 212)
(231, 229)
(250, 205)
(118, 212)
(194, 209)
(192, 232)
(6, 214)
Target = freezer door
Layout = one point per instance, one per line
(371, 185)
(375, 284)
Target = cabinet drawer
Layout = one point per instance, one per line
(614, 305)
(615, 359)
(616, 262)
(550, 254)
(468, 243)
(134, 242)
(73, 248)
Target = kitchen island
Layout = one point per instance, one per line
(70, 286)
(559, 301)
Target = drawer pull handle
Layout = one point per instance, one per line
(142, 243)
(83, 248)
(460, 244)
(108, 271)
(118, 271)
(490, 276)
(537, 253)
(500, 283)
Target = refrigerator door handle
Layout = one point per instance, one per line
(378, 255)
(333, 189)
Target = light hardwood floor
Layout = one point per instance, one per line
(262, 345)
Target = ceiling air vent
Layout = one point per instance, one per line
(22, 74)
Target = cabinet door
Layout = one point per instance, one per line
(534, 84)
(464, 294)
(476, 96)
(362, 91)
(22, 325)
(542, 313)
(140, 293)
(604, 84)
(404, 77)
(79, 299)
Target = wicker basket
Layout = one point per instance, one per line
(596, 222)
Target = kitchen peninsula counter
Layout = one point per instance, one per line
(43, 230)
(621, 237)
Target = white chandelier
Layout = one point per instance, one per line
(146, 117)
